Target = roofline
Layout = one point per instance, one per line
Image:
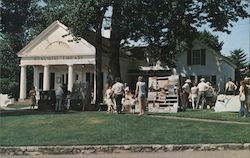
(217, 54)
(51, 27)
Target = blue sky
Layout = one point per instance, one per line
(238, 38)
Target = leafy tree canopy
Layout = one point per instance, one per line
(211, 40)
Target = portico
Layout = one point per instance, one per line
(56, 59)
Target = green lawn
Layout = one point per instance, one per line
(207, 114)
(82, 128)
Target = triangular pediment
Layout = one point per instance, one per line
(55, 40)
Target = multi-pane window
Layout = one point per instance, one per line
(196, 57)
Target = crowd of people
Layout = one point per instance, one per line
(204, 94)
(119, 94)
(199, 95)
(119, 97)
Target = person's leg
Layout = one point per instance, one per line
(198, 100)
(185, 101)
(193, 105)
(245, 109)
(140, 104)
(247, 105)
(143, 105)
(119, 103)
(203, 100)
(109, 107)
(241, 112)
(60, 104)
(57, 103)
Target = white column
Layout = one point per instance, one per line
(70, 77)
(35, 77)
(23, 82)
(46, 77)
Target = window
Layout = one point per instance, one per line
(40, 80)
(196, 57)
(52, 80)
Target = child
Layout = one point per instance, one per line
(109, 99)
(67, 100)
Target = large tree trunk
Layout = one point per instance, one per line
(98, 56)
(115, 39)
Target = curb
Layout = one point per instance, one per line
(98, 149)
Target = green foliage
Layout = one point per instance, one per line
(210, 40)
(173, 24)
(239, 58)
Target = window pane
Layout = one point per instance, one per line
(196, 57)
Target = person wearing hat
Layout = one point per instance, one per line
(230, 87)
(186, 90)
(202, 88)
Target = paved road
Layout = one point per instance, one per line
(186, 154)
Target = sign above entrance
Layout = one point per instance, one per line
(58, 60)
(59, 57)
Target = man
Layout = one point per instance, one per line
(230, 87)
(59, 98)
(118, 90)
(203, 87)
(186, 92)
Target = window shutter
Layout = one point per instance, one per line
(214, 80)
(203, 57)
(189, 56)
(88, 77)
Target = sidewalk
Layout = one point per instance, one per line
(108, 149)
(201, 120)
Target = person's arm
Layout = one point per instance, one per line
(241, 90)
(226, 87)
(235, 87)
(136, 90)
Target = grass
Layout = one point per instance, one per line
(207, 114)
(93, 128)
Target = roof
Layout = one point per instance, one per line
(55, 40)
(218, 54)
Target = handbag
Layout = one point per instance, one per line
(242, 97)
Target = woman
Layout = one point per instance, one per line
(140, 92)
(243, 110)
(32, 94)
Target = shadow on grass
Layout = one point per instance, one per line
(6, 113)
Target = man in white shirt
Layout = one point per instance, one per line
(203, 87)
(59, 98)
(118, 90)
